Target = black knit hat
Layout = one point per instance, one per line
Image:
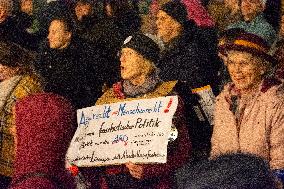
(176, 10)
(144, 45)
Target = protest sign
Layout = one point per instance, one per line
(207, 101)
(132, 131)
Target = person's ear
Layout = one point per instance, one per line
(69, 35)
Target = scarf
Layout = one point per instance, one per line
(149, 85)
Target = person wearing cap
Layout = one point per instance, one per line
(254, 20)
(17, 80)
(140, 80)
(44, 126)
(249, 116)
(186, 58)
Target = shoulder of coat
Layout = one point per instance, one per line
(163, 89)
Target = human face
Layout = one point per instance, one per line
(7, 72)
(27, 6)
(82, 10)
(58, 37)
(168, 28)
(130, 64)
(233, 5)
(251, 8)
(245, 70)
(134, 67)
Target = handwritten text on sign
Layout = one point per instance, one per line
(135, 131)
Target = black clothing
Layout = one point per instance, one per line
(73, 72)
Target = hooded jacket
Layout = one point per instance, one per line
(45, 125)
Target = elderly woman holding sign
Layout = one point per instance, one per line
(140, 81)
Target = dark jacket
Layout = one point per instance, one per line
(73, 72)
(105, 34)
(187, 59)
(45, 125)
(12, 31)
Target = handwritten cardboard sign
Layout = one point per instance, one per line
(136, 131)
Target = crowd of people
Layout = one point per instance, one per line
(224, 59)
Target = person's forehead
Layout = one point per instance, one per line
(57, 24)
(83, 4)
(129, 51)
(162, 13)
(252, 1)
(239, 55)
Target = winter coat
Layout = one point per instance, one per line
(12, 31)
(73, 72)
(258, 130)
(11, 91)
(186, 59)
(156, 176)
(45, 125)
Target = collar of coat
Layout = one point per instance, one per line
(116, 94)
(265, 85)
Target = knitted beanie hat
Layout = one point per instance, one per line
(45, 124)
(7, 5)
(176, 10)
(144, 45)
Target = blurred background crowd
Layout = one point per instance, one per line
(223, 58)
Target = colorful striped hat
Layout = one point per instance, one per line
(240, 40)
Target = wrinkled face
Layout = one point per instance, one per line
(27, 6)
(245, 70)
(132, 64)
(82, 10)
(167, 27)
(251, 8)
(7, 72)
(58, 37)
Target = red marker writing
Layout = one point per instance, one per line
(169, 105)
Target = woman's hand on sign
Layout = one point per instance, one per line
(135, 170)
